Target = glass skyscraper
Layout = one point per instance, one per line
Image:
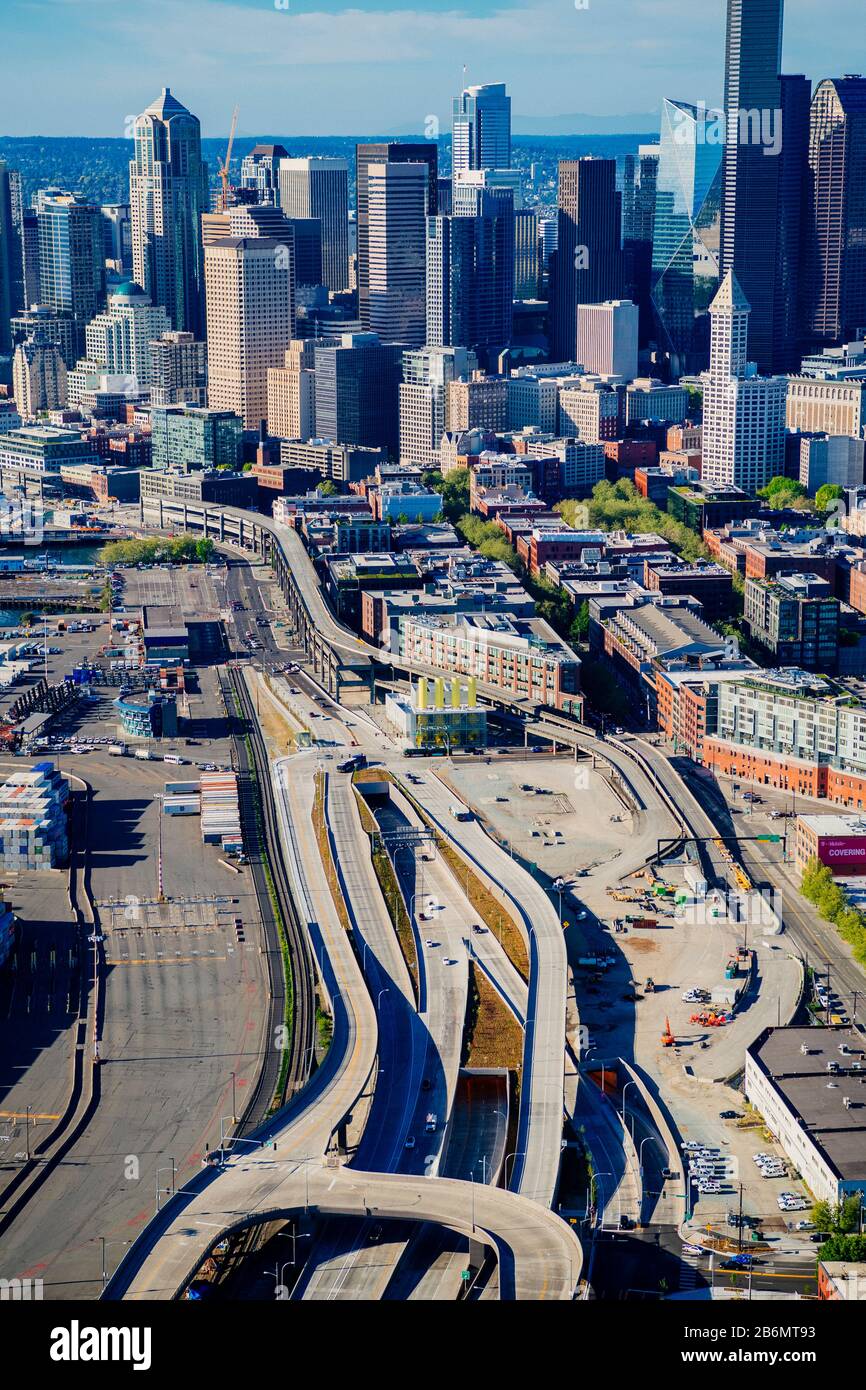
(481, 128)
(685, 257)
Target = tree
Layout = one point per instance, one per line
(204, 550)
(579, 630)
(828, 493)
(845, 1248)
(328, 488)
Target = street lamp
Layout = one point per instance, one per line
(518, 1153)
(105, 1245)
(624, 1089)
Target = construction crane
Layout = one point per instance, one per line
(224, 167)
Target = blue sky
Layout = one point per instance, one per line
(82, 67)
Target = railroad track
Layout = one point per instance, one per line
(276, 1081)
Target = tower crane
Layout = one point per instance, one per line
(224, 167)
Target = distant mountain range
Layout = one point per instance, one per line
(581, 124)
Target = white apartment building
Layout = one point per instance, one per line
(423, 400)
(825, 407)
(119, 338)
(588, 408)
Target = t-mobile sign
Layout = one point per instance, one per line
(845, 855)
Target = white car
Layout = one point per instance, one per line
(691, 1146)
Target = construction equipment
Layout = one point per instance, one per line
(668, 1038)
(224, 167)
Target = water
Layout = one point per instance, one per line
(58, 556)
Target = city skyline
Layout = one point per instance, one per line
(387, 68)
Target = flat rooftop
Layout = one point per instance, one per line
(802, 1079)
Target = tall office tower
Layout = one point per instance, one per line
(427, 374)
(467, 184)
(686, 229)
(470, 277)
(587, 266)
(168, 192)
(178, 369)
(38, 376)
(248, 283)
(638, 224)
(749, 218)
(119, 338)
(526, 254)
(320, 188)
(743, 439)
(71, 257)
(445, 197)
(607, 338)
(793, 178)
(117, 227)
(387, 153)
(834, 289)
(548, 231)
(292, 391)
(30, 258)
(479, 403)
(481, 128)
(260, 171)
(10, 257)
(397, 226)
(357, 382)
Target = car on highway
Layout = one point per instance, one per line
(729, 1115)
(693, 1250)
(431, 945)
(450, 960)
(477, 927)
(410, 1142)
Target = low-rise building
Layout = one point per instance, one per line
(702, 505)
(838, 841)
(821, 1128)
(796, 619)
(523, 656)
(711, 584)
(436, 717)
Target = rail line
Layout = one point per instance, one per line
(291, 976)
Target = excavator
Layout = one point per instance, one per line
(668, 1038)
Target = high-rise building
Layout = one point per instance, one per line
(793, 177)
(38, 376)
(71, 257)
(481, 128)
(260, 171)
(117, 228)
(587, 266)
(526, 267)
(685, 237)
(834, 290)
(249, 321)
(743, 438)
(10, 257)
(168, 193)
(427, 373)
(292, 392)
(178, 369)
(30, 258)
(357, 382)
(118, 339)
(749, 221)
(319, 187)
(387, 153)
(57, 326)
(607, 338)
(477, 403)
(397, 226)
(470, 277)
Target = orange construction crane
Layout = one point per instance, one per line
(668, 1038)
(224, 167)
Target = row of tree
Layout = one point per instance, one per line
(831, 900)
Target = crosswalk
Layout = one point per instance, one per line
(689, 1267)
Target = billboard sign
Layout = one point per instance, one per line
(844, 854)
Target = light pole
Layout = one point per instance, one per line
(518, 1153)
(170, 1190)
(386, 990)
(624, 1089)
(105, 1244)
(234, 1100)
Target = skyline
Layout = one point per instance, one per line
(613, 46)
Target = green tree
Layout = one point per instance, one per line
(579, 630)
(845, 1248)
(328, 488)
(204, 550)
(830, 492)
